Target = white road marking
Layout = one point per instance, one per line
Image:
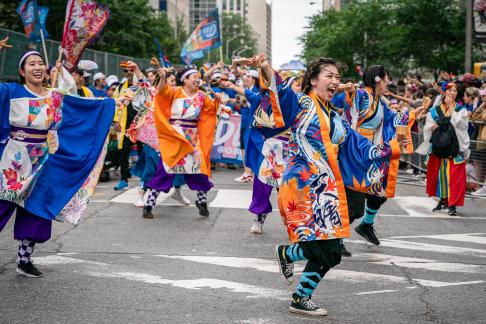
(416, 205)
(433, 215)
(59, 259)
(417, 263)
(225, 198)
(252, 291)
(334, 274)
(131, 195)
(375, 292)
(408, 245)
(241, 199)
(466, 237)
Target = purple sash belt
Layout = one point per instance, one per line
(28, 135)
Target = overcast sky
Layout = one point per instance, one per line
(289, 17)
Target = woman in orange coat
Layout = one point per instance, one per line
(185, 118)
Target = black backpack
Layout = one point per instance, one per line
(444, 139)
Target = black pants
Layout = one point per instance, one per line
(322, 255)
(125, 157)
(357, 202)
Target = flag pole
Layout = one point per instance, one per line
(56, 72)
(44, 46)
(220, 14)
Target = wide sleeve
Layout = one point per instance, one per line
(206, 128)
(5, 90)
(81, 136)
(278, 107)
(424, 148)
(65, 82)
(460, 122)
(253, 98)
(356, 106)
(366, 167)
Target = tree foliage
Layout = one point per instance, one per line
(130, 30)
(402, 35)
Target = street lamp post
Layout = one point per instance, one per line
(229, 40)
(239, 50)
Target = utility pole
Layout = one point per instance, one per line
(469, 19)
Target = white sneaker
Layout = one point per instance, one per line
(179, 197)
(480, 193)
(256, 228)
(140, 202)
(241, 178)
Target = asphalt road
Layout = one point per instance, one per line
(116, 267)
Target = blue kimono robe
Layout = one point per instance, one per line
(266, 157)
(48, 146)
(325, 156)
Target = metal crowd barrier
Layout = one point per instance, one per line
(108, 63)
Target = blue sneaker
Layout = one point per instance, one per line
(121, 185)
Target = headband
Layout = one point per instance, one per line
(188, 73)
(446, 85)
(26, 55)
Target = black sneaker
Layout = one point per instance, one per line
(147, 212)
(29, 270)
(203, 209)
(286, 268)
(452, 211)
(440, 206)
(344, 251)
(367, 232)
(305, 306)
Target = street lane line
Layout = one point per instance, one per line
(232, 199)
(466, 237)
(435, 215)
(334, 274)
(375, 292)
(408, 245)
(252, 291)
(416, 205)
(131, 195)
(241, 199)
(417, 263)
(438, 284)
(59, 259)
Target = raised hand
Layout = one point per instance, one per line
(3, 43)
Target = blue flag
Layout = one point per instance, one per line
(33, 18)
(206, 36)
(164, 60)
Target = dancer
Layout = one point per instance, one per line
(50, 143)
(267, 158)
(325, 156)
(364, 110)
(251, 83)
(143, 129)
(185, 118)
(446, 142)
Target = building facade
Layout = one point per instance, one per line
(333, 4)
(259, 17)
(257, 13)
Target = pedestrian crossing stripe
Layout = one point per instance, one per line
(334, 274)
(411, 206)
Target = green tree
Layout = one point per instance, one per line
(402, 35)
